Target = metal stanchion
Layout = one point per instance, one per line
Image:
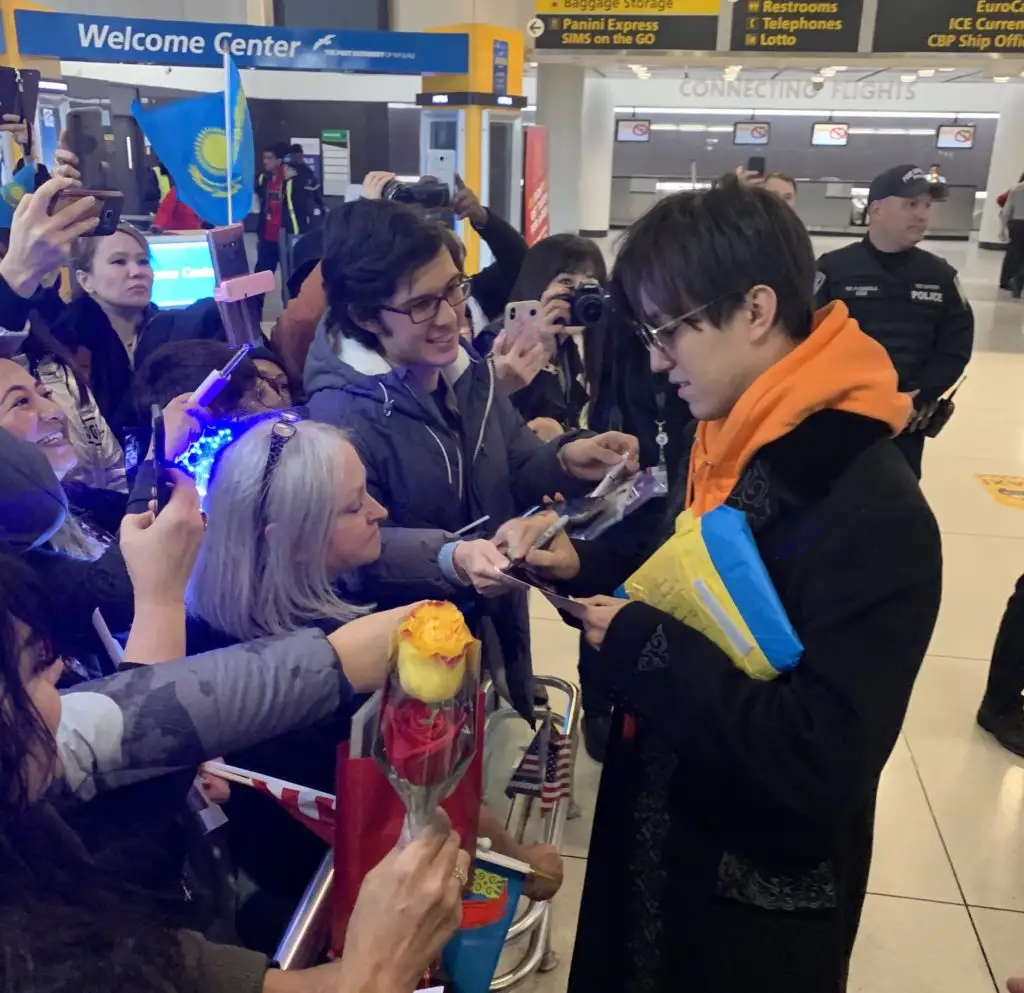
(536, 921)
(306, 937)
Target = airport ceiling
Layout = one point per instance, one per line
(680, 65)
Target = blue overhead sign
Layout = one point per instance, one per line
(88, 38)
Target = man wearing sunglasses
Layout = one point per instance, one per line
(445, 452)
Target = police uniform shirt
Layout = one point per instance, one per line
(911, 303)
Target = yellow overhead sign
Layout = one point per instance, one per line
(1007, 490)
(582, 8)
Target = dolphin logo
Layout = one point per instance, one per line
(323, 42)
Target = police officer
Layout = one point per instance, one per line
(907, 299)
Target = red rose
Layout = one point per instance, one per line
(419, 741)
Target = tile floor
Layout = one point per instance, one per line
(945, 912)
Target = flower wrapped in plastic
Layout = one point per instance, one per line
(427, 732)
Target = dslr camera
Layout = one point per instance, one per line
(429, 196)
(591, 304)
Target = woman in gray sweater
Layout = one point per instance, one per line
(68, 923)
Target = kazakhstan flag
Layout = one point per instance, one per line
(190, 138)
(22, 182)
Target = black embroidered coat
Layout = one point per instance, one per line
(732, 837)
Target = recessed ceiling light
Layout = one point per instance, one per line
(1000, 79)
(817, 78)
(951, 69)
(925, 73)
(840, 68)
(829, 71)
(908, 77)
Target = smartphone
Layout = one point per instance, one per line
(441, 165)
(86, 137)
(756, 164)
(164, 483)
(109, 204)
(19, 92)
(227, 249)
(522, 321)
(230, 261)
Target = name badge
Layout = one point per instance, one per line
(862, 291)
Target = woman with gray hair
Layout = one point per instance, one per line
(288, 516)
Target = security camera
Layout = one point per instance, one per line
(817, 85)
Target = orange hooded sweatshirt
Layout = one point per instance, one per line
(837, 367)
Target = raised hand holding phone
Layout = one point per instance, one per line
(40, 240)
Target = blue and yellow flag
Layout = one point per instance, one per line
(189, 137)
(22, 182)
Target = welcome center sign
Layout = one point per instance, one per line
(88, 38)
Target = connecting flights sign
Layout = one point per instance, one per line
(87, 38)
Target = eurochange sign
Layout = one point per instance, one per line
(88, 38)
(990, 26)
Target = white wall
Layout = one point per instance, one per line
(942, 99)
(260, 84)
(226, 11)
(418, 15)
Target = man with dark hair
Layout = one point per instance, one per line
(270, 190)
(180, 367)
(907, 299)
(443, 447)
(733, 830)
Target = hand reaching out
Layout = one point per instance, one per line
(591, 458)
(558, 560)
(160, 551)
(481, 564)
(183, 424)
(467, 206)
(408, 907)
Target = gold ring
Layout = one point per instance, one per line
(460, 874)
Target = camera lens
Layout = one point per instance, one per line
(589, 304)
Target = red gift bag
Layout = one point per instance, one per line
(369, 820)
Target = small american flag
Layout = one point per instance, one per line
(310, 807)
(551, 751)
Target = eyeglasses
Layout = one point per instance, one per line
(280, 434)
(427, 309)
(662, 338)
(277, 385)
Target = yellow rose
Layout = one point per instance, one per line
(432, 649)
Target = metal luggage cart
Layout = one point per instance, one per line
(305, 938)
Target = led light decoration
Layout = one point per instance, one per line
(199, 457)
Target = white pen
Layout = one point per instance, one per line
(472, 527)
(611, 478)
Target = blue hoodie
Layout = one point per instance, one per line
(435, 480)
